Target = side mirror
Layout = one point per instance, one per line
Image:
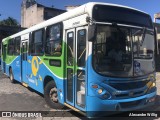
(156, 41)
(91, 29)
(91, 32)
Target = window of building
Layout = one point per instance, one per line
(53, 44)
(36, 46)
(49, 15)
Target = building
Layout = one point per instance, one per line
(156, 17)
(71, 7)
(33, 13)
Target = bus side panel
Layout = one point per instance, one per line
(17, 69)
(34, 76)
(15, 65)
(37, 71)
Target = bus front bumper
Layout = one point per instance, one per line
(99, 107)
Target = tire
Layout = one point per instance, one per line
(51, 96)
(11, 77)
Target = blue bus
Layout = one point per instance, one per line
(94, 59)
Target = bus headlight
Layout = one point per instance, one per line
(153, 84)
(103, 94)
(151, 88)
(100, 91)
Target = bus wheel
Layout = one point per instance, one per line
(51, 96)
(11, 75)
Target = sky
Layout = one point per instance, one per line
(12, 8)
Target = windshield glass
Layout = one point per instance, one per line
(106, 13)
(123, 51)
(143, 51)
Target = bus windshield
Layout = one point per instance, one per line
(123, 51)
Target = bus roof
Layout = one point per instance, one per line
(86, 8)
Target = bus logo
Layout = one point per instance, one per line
(35, 68)
(35, 65)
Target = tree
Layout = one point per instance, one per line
(9, 22)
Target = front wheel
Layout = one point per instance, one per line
(11, 77)
(51, 96)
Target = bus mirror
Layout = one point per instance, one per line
(91, 32)
(156, 41)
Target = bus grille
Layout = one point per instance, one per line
(128, 85)
(135, 94)
(130, 104)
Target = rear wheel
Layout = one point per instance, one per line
(11, 77)
(51, 96)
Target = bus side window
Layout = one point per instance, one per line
(17, 46)
(37, 43)
(11, 47)
(53, 43)
(70, 41)
(81, 47)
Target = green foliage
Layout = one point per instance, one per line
(9, 22)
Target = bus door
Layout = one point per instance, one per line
(4, 47)
(24, 62)
(75, 67)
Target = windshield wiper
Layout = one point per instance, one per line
(143, 32)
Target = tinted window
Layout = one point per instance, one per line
(53, 44)
(112, 55)
(11, 47)
(104, 13)
(70, 38)
(81, 47)
(37, 43)
(17, 46)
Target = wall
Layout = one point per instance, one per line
(32, 16)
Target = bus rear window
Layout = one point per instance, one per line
(103, 13)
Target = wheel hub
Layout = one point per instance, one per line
(53, 95)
